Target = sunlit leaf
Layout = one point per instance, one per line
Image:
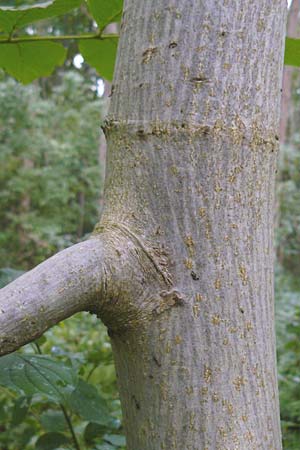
(100, 54)
(16, 18)
(37, 374)
(30, 60)
(105, 11)
(292, 52)
(25, 6)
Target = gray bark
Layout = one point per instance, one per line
(192, 137)
(56, 289)
(186, 260)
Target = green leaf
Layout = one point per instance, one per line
(292, 52)
(100, 54)
(105, 11)
(23, 439)
(88, 404)
(25, 6)
(3, 413)
(37, 374)
(20, 410)
(115, 439)
(41, 340)
(51, 441)
(52, 420)
(16, 18)
(30, 60)
(93, 431)
(105, 447)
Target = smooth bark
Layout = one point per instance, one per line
(192, 138)
(186, 254)
(56, 289)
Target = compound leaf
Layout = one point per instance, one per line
(100, 54)
(27, 61)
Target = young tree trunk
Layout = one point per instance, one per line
(184, 248)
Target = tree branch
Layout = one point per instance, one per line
(63, 285)
(22, 39)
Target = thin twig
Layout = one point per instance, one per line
(70, 425)
(22, 39)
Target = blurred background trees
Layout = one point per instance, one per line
(287, 276)
(49, 177)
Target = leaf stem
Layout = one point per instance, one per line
(91, 371)
(22, 39)
(70, 425)
(38, 348)
(65, 413)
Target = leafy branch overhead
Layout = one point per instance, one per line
(27, 57)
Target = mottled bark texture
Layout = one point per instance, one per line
(185, 281)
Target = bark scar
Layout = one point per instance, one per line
(148, 54)
(134, 238)
(168, 299)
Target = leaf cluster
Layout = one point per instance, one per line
(26, 55)
(42, 394)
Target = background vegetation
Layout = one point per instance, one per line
(287, 289)
(50, 182)
(60, 392)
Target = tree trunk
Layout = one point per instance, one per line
(288, 72)
(185, 243)
(192, 137)
(112, 28)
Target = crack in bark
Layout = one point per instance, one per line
(254, 134)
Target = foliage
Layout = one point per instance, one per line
(100, 54)
(18, 48)
(44, 398)
(288, 191)
(287, 291)
(51, 387)
(49, 169)
(12, 18)
(105, 12)
(28, 57)
(7, 275)
(288, 348)
(292, 52)
(50, 184)
(26, 60)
